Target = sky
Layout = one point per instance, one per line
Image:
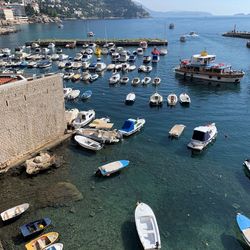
(216, 7)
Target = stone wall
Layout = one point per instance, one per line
(32, 114)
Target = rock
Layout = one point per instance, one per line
(39, 163)
(60, 194)
(1, 246)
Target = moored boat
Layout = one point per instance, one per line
(87, 94)
(42, 241)
(66, 91)
(131, 126)
(203, 66)
(14, 212)
(246, 163)
(56, 246)
(115, 78)
(147, 227)
(124, 80)
(111, 168)
(156, 99)
(172, 99)
(176, 130)
(156, 81)
(135, 81)
(73, 94)
(146, 80)
(202, 136)
(184, 99)
(76, 77)
(83, 118)
(183, 39)
(244, 226)
(130, 98)
(87, 143)
(93, 77)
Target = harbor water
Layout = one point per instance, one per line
(195, 197)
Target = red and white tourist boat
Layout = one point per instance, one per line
(203, 66)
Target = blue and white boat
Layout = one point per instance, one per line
(87, 94)
(113, 167)
(131, 126)
(56, 246)
(244, 225)
(35, 227)
(44, 64)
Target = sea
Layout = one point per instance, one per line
(195, 197)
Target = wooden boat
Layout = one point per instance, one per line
(184, 99)
(102, 123)
(56, 246)
(42, 241)
(244, 226)
(83, 118)
(124, 80)
(156, 81)
(202, 136)
(147, 227)
(87, 94)
(73, 94)
(146, 80)
(172, 99)
(131, 126)
(100, 135)
(130, 98)
(76, 77)
(176, 130)
(14, 212)
(111, 168)
(156, 99)
(35, 227)
(86, 76)
(136, 81)
(88, 143)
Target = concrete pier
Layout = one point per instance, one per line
(239, 34)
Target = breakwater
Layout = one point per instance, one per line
(100, 42)
(239, 34)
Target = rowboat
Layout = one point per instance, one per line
(172, 99)
(88, 143)
(42, 241)
(147, 227)
(87, 94)
(56, 246)
(131, 126)
(124, 80)
(83, 118)
(146, 80)
(35, 227)
(73, 94)
(130, 98)
(111, 168)
(156, 81)
(14, 212)
(184, 99)
(136, 81)
(176, 130)
(156, 99)
(244, 225)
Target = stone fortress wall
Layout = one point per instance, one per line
(32, 113)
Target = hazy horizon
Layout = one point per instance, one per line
(225, 7)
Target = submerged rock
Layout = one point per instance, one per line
(60, 194)
(39, 163)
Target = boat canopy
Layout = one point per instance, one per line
(128, 126)
(200, 135)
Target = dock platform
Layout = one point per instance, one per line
(100, 42)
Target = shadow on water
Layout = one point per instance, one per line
(130, 237)
(230, 242)
(245, 182)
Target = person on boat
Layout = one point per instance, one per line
(157, 245)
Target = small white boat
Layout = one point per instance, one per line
(56, 246)
(184, 99)
(176, 130)
(136, 81)
(247, 164)
(88, 143)
(130, 98)
(125, 67)
(131, 126)
(183, 39)
(147, 59)
(111, 66)
(14, 212)
(143, 44)
(93, 77)
(244, 226)
(156, 81)
(78, 57)
(140, 51)
(115, 78)
(32, 64)
(193, 34)
(66, 92)
(85, 65)
(146, 80)
(76, 65)
(147, 227)
(61, 65)
(111, 168)
(86, 76)
(124, 80)
(63, 57)
(51, 46)
(172, 99)
(55, 57)
(83, 118)
(100, 66)
(73, 94)
(156, 99)
(202, 136)
(163, 52)
(142, 68)
(131, 68)
(148, 69)
(68, 75)
(76, 77)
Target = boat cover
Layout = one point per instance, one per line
(128, 126)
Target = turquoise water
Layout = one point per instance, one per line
(195, 197)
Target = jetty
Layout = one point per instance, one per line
(239, 34)
(100, 42)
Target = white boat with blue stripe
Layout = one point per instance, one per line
(111, 168)
(244, 225)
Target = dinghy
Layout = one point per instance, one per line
(42, 241)
(130, 98)
(146, 80)
(156, 99)
(110, 168)
(244, 225)
(14, 212)
(172, 99)
(202, 136)
(83, 118)
(76, 77)
(86, 76)
(56, 246)
(156, 81)
(124, 80)
(73, 94)
(131, 126)
(115, 78)
(68, 75)
(136, 81)
(88, 143)
(35, 227)
(246, 163)
(184, 99)
(93, 77)
(87, 94)
(147, 227)
(176, 130)
(66, 92)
